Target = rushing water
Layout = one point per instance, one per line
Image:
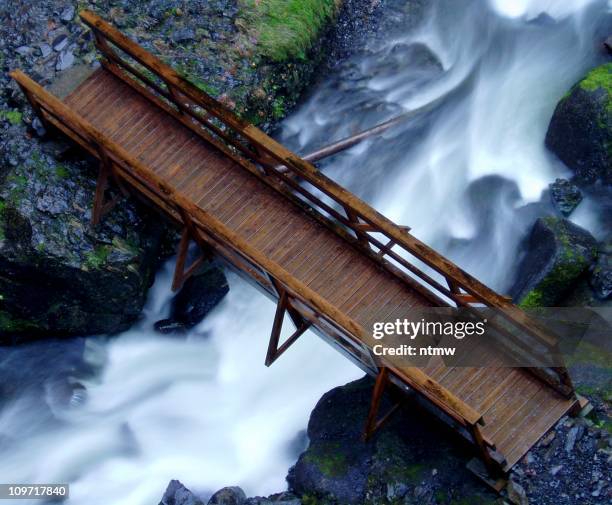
(466, 175)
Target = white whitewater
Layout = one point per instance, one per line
(204, 409)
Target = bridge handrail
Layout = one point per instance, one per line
(463, 289)
(55, 110)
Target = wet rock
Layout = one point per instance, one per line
(557, 253)
(565, 196)
(45, 49)
(59, 42)
(516, 493)
(556, 469)
(65, 60)
(198, 296)
(601, 277)
(338, 467)
(228, 496)
(23, 50)
(177, 494)
(168, 326)
(68, 13)
(58, 275)
(183, 35)
(580, 131)
(275, 499)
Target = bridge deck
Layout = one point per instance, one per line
(509, 398)
(336, 284)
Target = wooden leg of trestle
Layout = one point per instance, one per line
(379, 387)
(180, 273)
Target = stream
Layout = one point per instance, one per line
(467, 175)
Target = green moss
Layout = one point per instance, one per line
(328, 458)
(600, 77)
(10, 324)
(97, 258)
(12, 116)
(569, 267)
(188, 70)
(278, 108)
(286, 29)
(535, 298)
(309, 499)
(62, 172)
(591, 354)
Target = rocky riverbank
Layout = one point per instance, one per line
(413, 460)
(59, 275)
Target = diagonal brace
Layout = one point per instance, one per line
(181, 274)
(274, 351)
(373, 423)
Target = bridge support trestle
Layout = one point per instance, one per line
(190, 232)
(102, 205)
(373, 423)
(301, 324)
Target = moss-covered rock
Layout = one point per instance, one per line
(557, 253)
(394, 467)
(58, 275)
(287, 29)
(580, 131)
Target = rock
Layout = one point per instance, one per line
(547, 440)
(516, 493)
(556, 469)
(228, 496)
(338, 467)
(565, 196)
(558, 252)
(23, 50)
(608, 44)
(45, 49)
(198, 296)
(167, 326)
(570, 441)
(177, 494)
(601, 277)
(67, 14)
(59, 42)
(65, 60)
(58, 276)
(580, 131)
(38, 127)
(183, 35)
(275, 499)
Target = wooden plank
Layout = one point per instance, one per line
(384, 311)
(336, 273)
(509, 403)
(248, 206)
(537, 430)
(175, 167)
(83, 97)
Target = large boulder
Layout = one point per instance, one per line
(59, 276)
(557, 254)
(395, 466)
(580, 132)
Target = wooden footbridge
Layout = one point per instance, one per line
(334, 264)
